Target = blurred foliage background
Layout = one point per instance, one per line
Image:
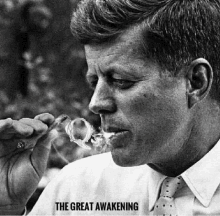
(42, 68)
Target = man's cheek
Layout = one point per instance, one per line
(144, 105)
(154, 115)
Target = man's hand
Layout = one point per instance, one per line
(22, 166)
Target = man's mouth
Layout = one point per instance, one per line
(112, 129)
(115, 136)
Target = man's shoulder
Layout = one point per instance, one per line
(99, 161)
(97, 178)
(101, 165)
(84, 166)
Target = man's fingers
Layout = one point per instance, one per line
(15, 129)
(38, 126)
(5, 123)
(46, 118)
(41, 151)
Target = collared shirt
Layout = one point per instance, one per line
(201, 195)
(97, 186)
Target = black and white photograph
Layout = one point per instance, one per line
(109, 107)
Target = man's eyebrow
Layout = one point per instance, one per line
(121, 70)
(114, 69)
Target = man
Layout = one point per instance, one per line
(154, 67)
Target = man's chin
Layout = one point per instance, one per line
(123, 159)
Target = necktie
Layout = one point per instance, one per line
(165, 204)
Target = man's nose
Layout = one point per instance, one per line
(102, 101)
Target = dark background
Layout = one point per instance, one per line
(42, 70)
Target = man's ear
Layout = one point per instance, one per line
(199, 80)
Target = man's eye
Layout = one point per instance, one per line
(122, 84)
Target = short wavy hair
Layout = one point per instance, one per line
(174, 32)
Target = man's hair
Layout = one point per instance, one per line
(174, 32)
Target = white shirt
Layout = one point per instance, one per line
(97, 180)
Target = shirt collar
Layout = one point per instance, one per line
(203, 177)
(197, 177)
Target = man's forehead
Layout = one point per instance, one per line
(127, 44)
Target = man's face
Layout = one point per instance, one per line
(144, 105)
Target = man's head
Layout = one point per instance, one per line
(176, 32)
(154, 67)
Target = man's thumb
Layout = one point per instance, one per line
(41, 151)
